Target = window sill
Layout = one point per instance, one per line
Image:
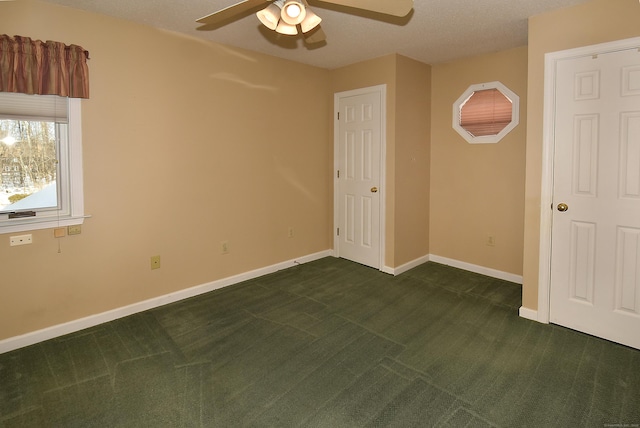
(25, 225)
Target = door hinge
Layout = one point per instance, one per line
(338, 231)
(338, 115)
(338, 173)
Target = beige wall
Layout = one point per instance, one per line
(412, 160)
(172, 167)
(407, 148)
(594, 22)
(184, 146)
(477, 189)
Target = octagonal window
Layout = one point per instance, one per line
(486, 112)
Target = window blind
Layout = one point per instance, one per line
(34, 107)
(486, 112)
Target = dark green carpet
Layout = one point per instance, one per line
(327, 344)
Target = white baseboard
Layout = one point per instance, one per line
(477, 269)
(527, 313)
(405, 267)
(31, 338)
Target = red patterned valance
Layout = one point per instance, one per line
(43, 68)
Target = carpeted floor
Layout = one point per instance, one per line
(327, 344)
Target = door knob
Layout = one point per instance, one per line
(374, 190)
(563, 207)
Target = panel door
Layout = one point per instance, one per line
(359, 187)
(595, 266)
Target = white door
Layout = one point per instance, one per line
(358, 176)
(595, 261)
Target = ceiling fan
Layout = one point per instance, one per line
(292, 17)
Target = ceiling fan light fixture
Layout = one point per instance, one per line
(269, 16)
(293, 12)
(310, 22)
(286, 29)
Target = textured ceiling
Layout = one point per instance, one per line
(436, 31)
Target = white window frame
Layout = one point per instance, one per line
(71, 183)
(515, 113)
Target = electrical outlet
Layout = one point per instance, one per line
(224, 247)
(491, 241)
(20, 240)
(155, 262)
(74, 230)
(291, 233)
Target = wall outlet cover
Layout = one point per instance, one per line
(155, 262)
(20, 240)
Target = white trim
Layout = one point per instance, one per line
(546, 196)
(506, 276)
(527, 313)
(382, 91)
(31, 338)
(405, 267)
(548, 143)
(76, 179)
(73, 194)
(388, 269)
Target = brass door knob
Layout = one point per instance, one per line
(563, 207)
(374, 190)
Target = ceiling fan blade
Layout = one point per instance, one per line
(388, 7)
(316, 35)
(231, 11)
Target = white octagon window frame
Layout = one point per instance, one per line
(515, 113)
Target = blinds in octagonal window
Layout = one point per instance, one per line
(486, 112)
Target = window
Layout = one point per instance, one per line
(41, 159)
(485, 113)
